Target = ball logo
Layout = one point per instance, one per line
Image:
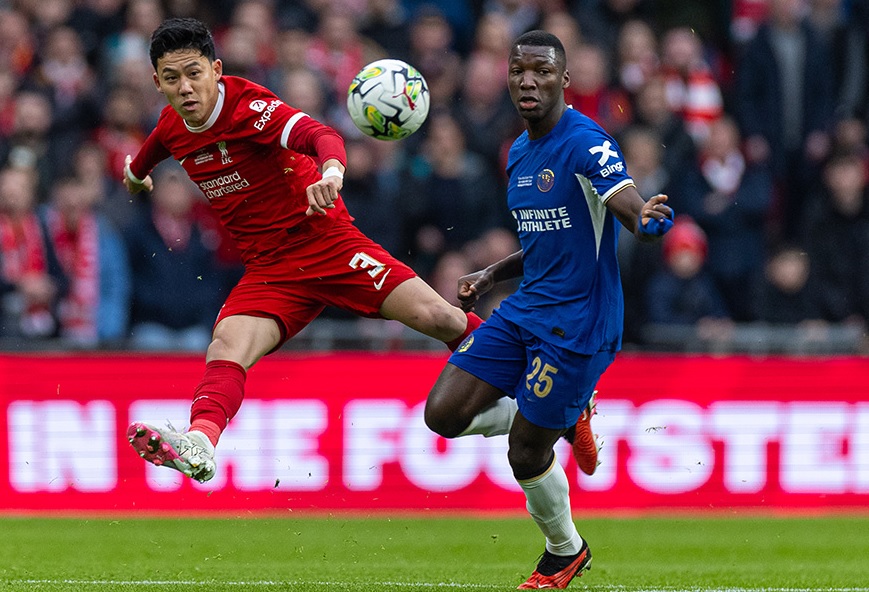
(258, 105)
(545, 180)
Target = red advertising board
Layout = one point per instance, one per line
(345, 432)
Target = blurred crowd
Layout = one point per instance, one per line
(750, 114)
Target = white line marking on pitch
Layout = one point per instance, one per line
(269, 583)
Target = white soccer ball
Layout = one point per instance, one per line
(388, 99)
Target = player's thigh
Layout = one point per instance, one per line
(254, 310)
(416, 304)
(456, 397)
(558, 383)
(486, 367)
(243, 339)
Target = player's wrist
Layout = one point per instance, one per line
(333, 171)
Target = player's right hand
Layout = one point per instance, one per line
(472, 286)
(322, 195)
(147, 183)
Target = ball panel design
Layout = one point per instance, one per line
(388, 99)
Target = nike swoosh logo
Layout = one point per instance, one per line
(378, 285)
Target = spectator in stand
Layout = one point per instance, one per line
(639, 261)
(433, 54)
(255, 20)
(692, 90)
(637, 56)
(239, 46)
(372, 191)
(31, 279)
(95, 310)
(520, 15)
(112, 201)
(307, 89)
(837, 232)
(339, 51)
(29, 144)
(683, 292)
(120, 131)
(176, 284)
(602, 20)
(64, 75)
(653, 110)
(8, 84)
(591, 92)
(562, 24)
(386, 23)
(784, 104)
(131, 43)
(455, 195)
(485, 112)
(788, 295)
(492, 38)
(17, 42)
(730, 199)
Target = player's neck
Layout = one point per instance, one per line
(541, 127)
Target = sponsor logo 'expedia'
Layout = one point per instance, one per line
(267, 114)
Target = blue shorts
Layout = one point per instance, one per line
(551, 385)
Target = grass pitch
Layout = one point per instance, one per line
(341, 553)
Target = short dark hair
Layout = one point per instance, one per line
(176, 34)
(538, 38)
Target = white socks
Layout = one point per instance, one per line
(494, 420)
(548, 502)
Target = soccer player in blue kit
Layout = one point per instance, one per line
(530, 370)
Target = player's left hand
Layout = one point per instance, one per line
(656, 218)
(322, 195)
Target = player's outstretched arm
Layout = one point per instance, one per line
(647, 220)
(474, 285)
(132, 184)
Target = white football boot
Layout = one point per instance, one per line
(190, 453)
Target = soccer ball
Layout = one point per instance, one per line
(388, 99)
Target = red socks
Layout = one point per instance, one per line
(473, 322)
(217, 398)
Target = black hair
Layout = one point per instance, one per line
(538, 38)
(177, 34)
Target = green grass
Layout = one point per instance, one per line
(341, 553)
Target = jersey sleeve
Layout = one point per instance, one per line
(150, 155)
(273, 122)
(600, 160)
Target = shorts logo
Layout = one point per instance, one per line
(545, 180)
(374, 267)
(466, 344)
(258, 105)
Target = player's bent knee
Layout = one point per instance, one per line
(440, 421)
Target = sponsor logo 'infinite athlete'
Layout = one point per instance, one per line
(267, 113)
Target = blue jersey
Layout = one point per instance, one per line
(559, 184)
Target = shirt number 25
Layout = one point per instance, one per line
(539, 380)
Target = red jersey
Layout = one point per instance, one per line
(253, 160)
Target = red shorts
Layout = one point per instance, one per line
(338, 266)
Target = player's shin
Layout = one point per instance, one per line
(474, 321)
(494, 420)
(217, 398)
(548, 502)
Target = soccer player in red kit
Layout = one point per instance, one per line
(259, 162)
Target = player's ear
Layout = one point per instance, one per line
(157, 82)
(565, 79)
(217, 67)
